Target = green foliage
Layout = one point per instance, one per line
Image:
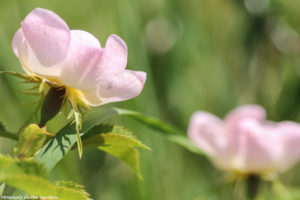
(30, 176)
(127, 154)
(117, 136)
(120, 143)
(58, 146)
(30, 141)
(170, 132)
(64, 140)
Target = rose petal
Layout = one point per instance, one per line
(254, 147)
(289, 136)
(48, 39)
(119, 87)
(20, 49)
(233, 119)
(207, 132)
(81, 67)
(114, 58)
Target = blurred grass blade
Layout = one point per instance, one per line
(151, 122)
(4, 133)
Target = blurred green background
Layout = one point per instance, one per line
(199, 55)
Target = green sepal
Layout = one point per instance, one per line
(31, 141)
(27, 78)
(78, 124)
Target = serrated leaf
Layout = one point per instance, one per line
(127, 154)
(63, 141)
(170, 132)
(30, 141)
(57, 147)
(120, 143)
(69, 184)
(41, 187)
(10, 165)
(30, 176)
(105, 134)
(111, 139)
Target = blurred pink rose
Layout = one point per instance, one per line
(48, 49)
(245, 142)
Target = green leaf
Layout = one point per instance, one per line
(171, 133)
(72, 186)
(120, 143)
(63, 141)
(117, 136)
(57, 147)
(2, 188)
(127, 154)
(30, 142)
(9, 165)
(31, 177)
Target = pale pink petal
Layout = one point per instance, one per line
(20, 49)
(289, 136)
(253, 147)
(114, 58)
(141, 75)
(91, 97)
(233, 119)
(118, 87)
(207, 132)
(81, 67)
(48, 39)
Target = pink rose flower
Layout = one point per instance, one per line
(245, 142)
(74, 59)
